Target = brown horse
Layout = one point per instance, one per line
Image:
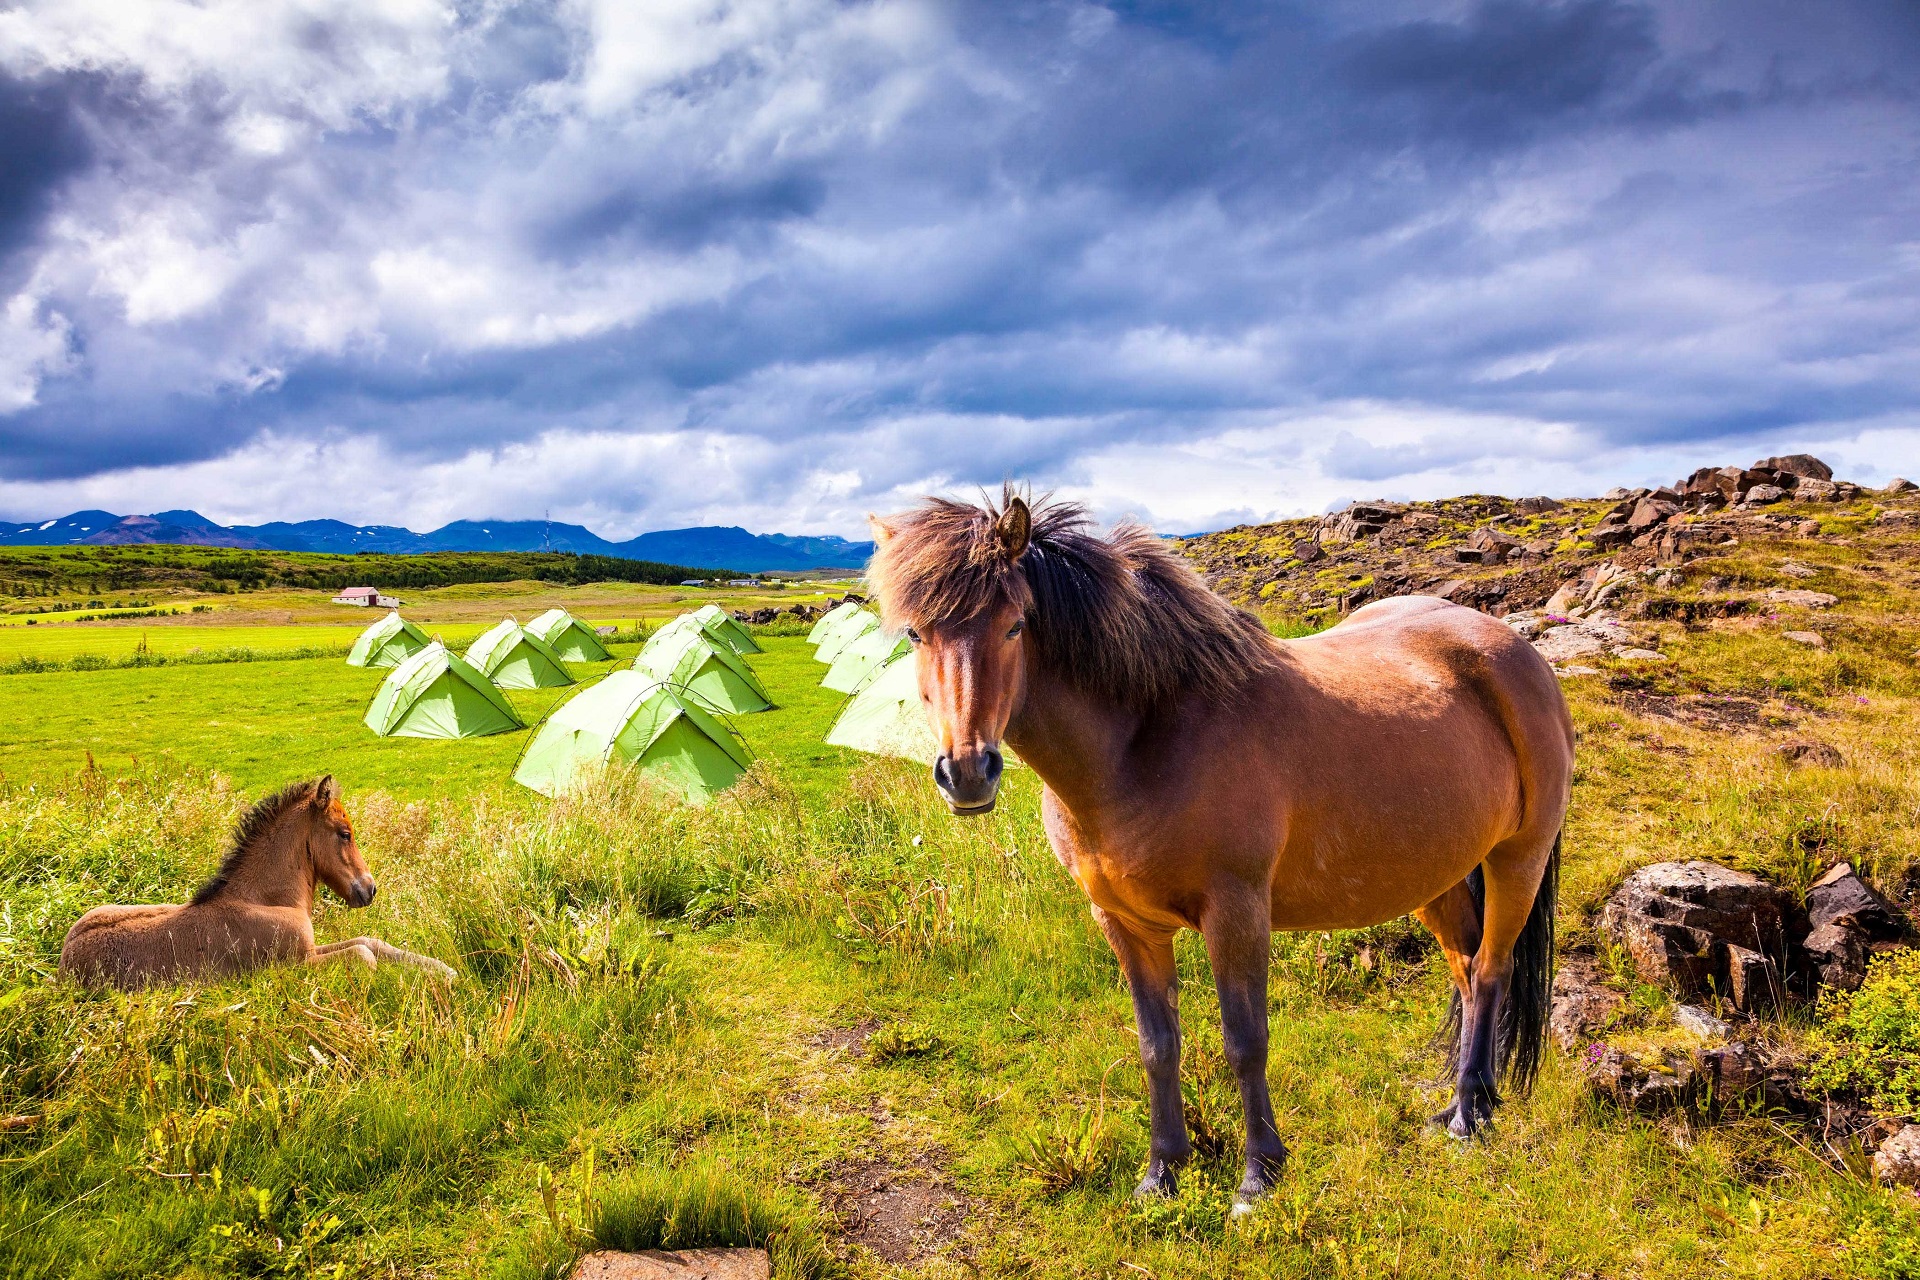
(1200, 774)
(256, 911)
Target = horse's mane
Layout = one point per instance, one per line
(249, 832)
(1119, 616)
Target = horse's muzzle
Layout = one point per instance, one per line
(360, 892)
(970, 783)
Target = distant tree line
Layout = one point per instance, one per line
(44, 571)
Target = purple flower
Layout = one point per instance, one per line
(1596, 1051)
(1861, 701)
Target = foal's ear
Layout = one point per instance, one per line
(880, 528)
(326, 792)
(1013, 527)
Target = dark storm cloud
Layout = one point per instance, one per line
(41, 143)
(923, 242)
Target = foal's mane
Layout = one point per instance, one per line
(251, 832)
(1119, 616)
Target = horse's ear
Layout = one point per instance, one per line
(1013, 528)
(880, 528)
(326, 792)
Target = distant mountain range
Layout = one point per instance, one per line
(711, 546)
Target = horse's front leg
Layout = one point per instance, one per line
(1239, 934)
(394, 955)
(1148, 964)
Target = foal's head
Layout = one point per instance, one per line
(296, 837)
(992, 595)
(332, 849)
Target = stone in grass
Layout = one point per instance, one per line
(681, 1264)
(1689, 925)
(1582, 1006)
(1812, 639)
(1807, 599)
(1692, 1017)
(1898, 1159)
(1900, 484)
(1841, 894)
(1641, 655)
(1808, 751)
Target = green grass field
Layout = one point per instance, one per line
(822, 998)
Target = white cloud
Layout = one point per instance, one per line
(33, 345)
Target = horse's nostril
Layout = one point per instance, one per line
(995, 763)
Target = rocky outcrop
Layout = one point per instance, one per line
(1702, 1080)
(1702, 929)
(1848, 919)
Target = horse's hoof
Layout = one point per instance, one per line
(1159, 1184)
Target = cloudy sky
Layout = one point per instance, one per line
(779, 262)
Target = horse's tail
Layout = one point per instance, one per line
(1523, 1014)
(1522, 1030)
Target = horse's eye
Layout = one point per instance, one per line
(913, 637)
(1018, 627)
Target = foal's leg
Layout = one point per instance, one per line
(392, 954)
(343, 951)
(1148, 964)
(1239, 935)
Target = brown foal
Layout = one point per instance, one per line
(1200, 774)
(256, 911)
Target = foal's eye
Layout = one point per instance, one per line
(1018, 627)
(913, 637)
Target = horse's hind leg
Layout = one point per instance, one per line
(1148, 964)
(1513, 875)
(1239, 937)
(1454, 919)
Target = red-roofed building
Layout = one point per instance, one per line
(366, 597)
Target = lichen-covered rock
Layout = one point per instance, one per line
(1898, 1159)
(1837, 953)
(1804, 465)
(1841, 894)
(1649, 1084)
(1683, 921)
(1582, 1006)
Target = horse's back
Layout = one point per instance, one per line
(133, 945)
(1410, 740)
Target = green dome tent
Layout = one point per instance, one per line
(672, 635)
(387, 643)
(830, 621)
(629, 718)
(862, 658)
(886, 717)
(437, 694)
(856, 625)
(718, 622)
(570, 639)
(708, 674)
(514, 659)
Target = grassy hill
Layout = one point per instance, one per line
(824, 1014)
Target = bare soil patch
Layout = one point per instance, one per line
(1724, 713)
(906, 1214)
